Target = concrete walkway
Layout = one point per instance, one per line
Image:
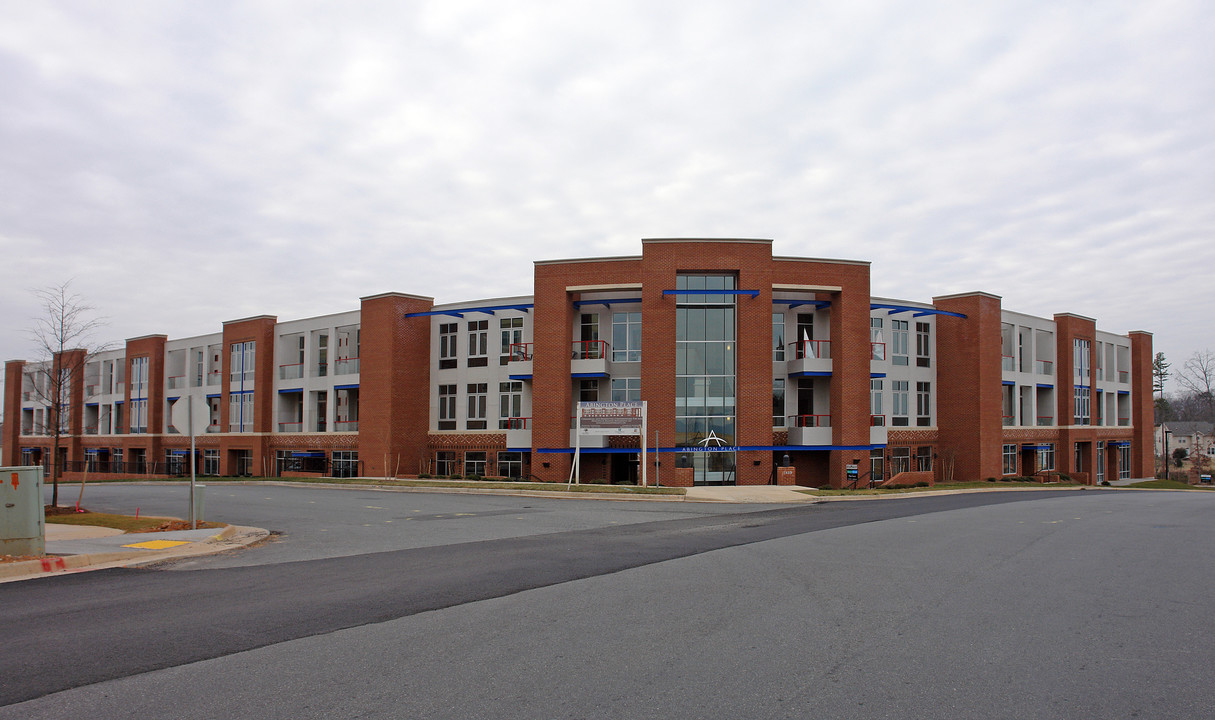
(77, 548)
(747, 494)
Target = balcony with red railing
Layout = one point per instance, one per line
(1045, 420)
(92, 389)
(877, 421)
(1044, 367)
(877, 429)
(1124, 421)
(176, 382)
(1124, 376)
(1008, 363)
(520, 352)
(809, 429)
(589, 357)
(292, 371)
(346, 366)
(810, 356)
(346, 426)
(90, 429)
(214, 377)
(1010, 420)
(291, 427)
(518, 432)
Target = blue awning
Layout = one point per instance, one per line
(308, 454)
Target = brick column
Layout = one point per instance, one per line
(394, 384)
(1143, 409)
(969, 417)
(14, 371)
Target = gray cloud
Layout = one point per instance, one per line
(189, 163)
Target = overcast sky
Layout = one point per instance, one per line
(194, 162)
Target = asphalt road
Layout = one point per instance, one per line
(1085, 604)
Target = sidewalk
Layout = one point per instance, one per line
(77, 548)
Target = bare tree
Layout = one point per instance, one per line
(1197, 377)
(63, 331)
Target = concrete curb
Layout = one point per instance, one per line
(56, 564)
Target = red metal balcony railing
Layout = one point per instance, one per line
(1009, 420)
(291, 427)
(517, 423)
(820, 349)
(1008, 362)
(590, 350)
(520, 352)
(1044, 367)
(213, 377)
(1124, 421)
(1124, 376)
(877, 351)
(346, 425)
(91, 389)
(877, 421)
(346, 366)
(291, 371)
(810, 421)
(177, 381)
(1045, 420)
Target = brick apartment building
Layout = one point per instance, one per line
(743, 359)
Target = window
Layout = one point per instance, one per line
(510, 402)
(510, 464)
(447, 345)
(805, 335)
(139, 377)
(923, 404)
(778, 402)
(899, 402)
(1010, 459)
(626, 389)
(474, 463)
(345, 463)
(477, 393)
(898, 338)
(210, 462)
(447, 408)
(1080, 354)
(240, 411)
(478, 343)
(1124, 462)
(1046, 456)
(876, 417)
(1100, 477)
(512, 333)
(243, 359)
(877, 341)
(445, 463)
(175, 463)
(923, 459)
(877, 466)
(588, 390)
(705, 350)
(588, 334)
(922, 337)
(1081, 400)
(778, 338)
(626, 337)
(322, 355)
(139, 416)
(900, 460)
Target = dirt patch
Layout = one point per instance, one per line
(18, 558)
(173, 525)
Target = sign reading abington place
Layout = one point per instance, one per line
(607, 417)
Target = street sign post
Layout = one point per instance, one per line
(186, 417)
(626, 417)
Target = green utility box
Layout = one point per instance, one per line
(22, 522)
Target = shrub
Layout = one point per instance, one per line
(423, 476)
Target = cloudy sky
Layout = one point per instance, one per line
(187, 163)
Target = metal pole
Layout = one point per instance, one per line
(190, 423)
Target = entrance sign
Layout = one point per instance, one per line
(625, 417)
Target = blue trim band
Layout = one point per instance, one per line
(346, 387)
(589, 375)
(519, 377)
(730, 448)
(873, 376)
(290, 391)
(459, 312)
(1008, 382)
(896, 309)
(819, 304)
(1046, 386)
(811, 373)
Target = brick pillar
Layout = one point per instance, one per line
(1143, 409)
(14, 371)
(850, 359)
(394, 384)
(969, 377)
(260, 330)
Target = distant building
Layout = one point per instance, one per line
(742, 358)
(1193, 437)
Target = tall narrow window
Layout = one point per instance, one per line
(1010, 459)
(477, 393)
(588, 390)
(705, 403)
(877, 339)
(876, 417)
(900, 460)
(923, 459)
(1081, 399)
(510, 402)
(478, 343)
(447, 408)
(778, 402)
(778, 337)
(923, 404)
(805, 335)
(512, 333)
(626, 337)
(899, 402)
(923, 339)
(447, 345)
(588, 347)
(898, 338)
(1080, 360)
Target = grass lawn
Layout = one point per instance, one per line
(438, 483)
(979, 485)
(1169, 485)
